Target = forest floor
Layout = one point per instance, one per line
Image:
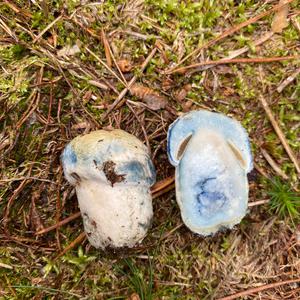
(70, 67)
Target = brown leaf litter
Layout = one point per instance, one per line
(151, 97)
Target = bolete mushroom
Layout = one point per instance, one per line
(112, 174)
(212, 156)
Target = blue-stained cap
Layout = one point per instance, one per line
(113, 156)
(195, 121)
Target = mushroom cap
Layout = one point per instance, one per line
(212, 156)
(112, 173)
(114, 157)
(187, 124)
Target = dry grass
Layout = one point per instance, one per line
(66, 68)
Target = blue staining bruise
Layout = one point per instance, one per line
(69, 156)
(151, 180)
(135, 169)
(209, 201)
(135, 172)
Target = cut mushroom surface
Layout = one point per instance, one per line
(211, 153)
(112, 173)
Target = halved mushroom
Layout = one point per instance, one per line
(212, 156)
(112, 173)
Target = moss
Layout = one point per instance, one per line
(183, 264)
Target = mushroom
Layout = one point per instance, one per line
(112, 174)
(212, 156)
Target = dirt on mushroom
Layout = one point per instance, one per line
(110, 173)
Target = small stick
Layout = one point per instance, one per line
(98, 84)
(74, 243)
(166, 235)
(234, 61)
(131, 82)
(59, 224)
(7, 30)
(279, 133)
(259, 289)
(163, 191)
(31, 107)
(3, 265)
(17, 10)
(273, 164)
(158, 186)
(234, 29)
(89, 31)
(139, 35)
(238, 52)
(58, 207)
(288, 80)
(12, 199)
(115, 62)
(261, 171)
(12, 6)
(257, 42)
(46, 29)
(105, 65)
(259, 202)
(142, 127)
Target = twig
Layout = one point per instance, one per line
(158, 186)
(238, 52)
(58, 206)
(232, 30)
(3, 265)
(31, 108)
(26, 177)
(74, 243)
(113, 57)
(7, 30)
(98, 84)
(46, 289)
(166, 235)
(131, 82)
(279, 133)
(60, 223)
(12, 199)
(259, 289)
(259, 202)
(234, 61)
(142, 127)
(90, 31)
(105, 65)
(261, 171)
(12, 6)
(46, 29)
(257, 42)
(273, 164)
(163, 191)
(17, 10)
(139, 35)
(57, 62)
(288, 80)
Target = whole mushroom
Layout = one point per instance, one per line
(112, 174)
(212, 156)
